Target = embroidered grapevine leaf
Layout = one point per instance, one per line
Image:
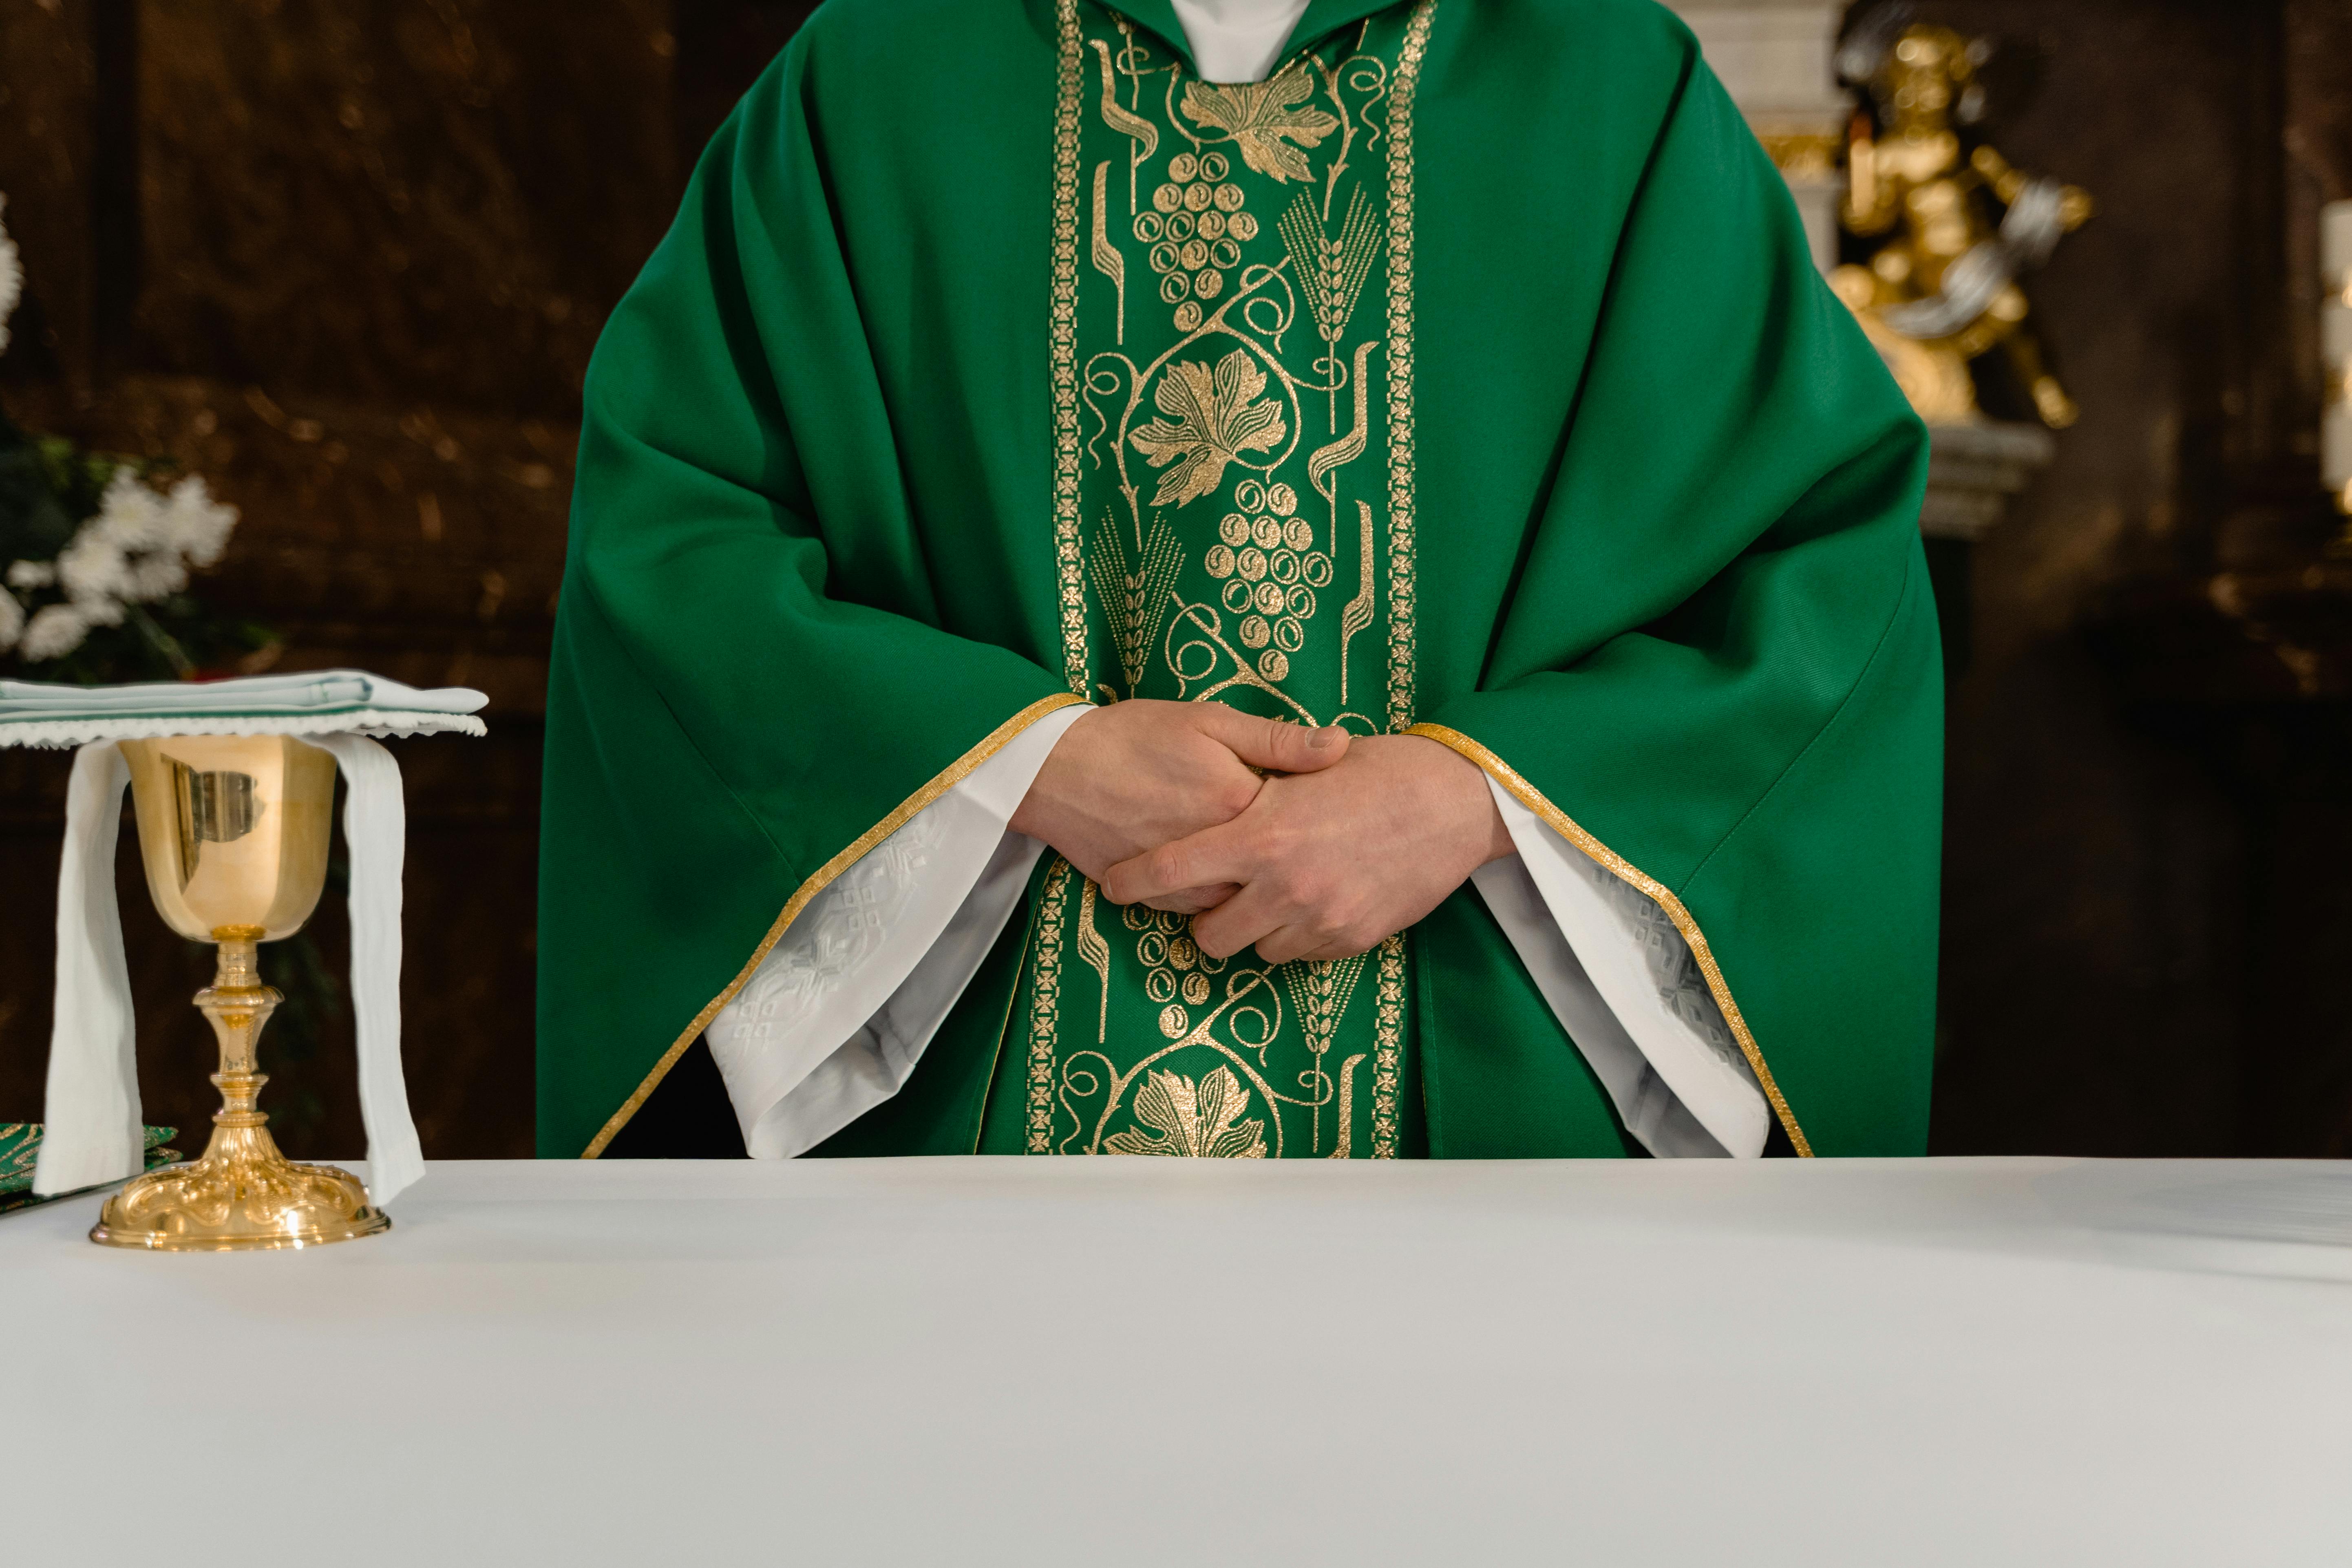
(1265, 118)
(1190, 1120)
(1218, 414)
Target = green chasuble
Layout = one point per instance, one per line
(1468, 377)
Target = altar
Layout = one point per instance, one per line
(1962, 1362)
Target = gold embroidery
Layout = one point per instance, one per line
(1196, 230)
(1146, 135)
(1331, 271)
(1326, 463)
(1272, 664)
(1045, 1006)
(1135, 602)
(954, 775)
(1192, 1121)
(1244, 989)
(1177, 973)
(1348, 448)
(1233, 616)
(1358, 613)
(1218, 415)
(1095, 951)
(1346, 1151)
(1107, 261)
(1320, 994)
(1063, 350)
(1562, 824)
(1271, 572)
(1388, 1059)
(1263, 119)
(1401, 544)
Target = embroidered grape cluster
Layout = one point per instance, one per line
(1195, 233)
(1177, 966)
(1270, 568)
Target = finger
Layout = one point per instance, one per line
(1194, 901)
(1207, 859)
(1325, 952)
(1271, 745)
(1249, 916)
(1285, 942)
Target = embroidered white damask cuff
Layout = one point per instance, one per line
(838, 1014)
(1623, 983)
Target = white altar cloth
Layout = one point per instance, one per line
(2028, 1361)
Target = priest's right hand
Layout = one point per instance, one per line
(1127, 778)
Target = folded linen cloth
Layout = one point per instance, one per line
(327, 701)
(92, 1130)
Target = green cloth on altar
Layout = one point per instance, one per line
(1517, 383)
(20, 1153)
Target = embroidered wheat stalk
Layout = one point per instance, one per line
(1320, 991)
(1135, 602)
(1331, 272)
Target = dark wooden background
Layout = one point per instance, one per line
(348, 261)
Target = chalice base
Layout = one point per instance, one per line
(243, 1195)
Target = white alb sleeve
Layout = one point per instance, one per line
(1624, 982)
(833, 1020)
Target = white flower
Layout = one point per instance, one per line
(138, 547)
(53, 633)
(94, 569)
(196, 525)
(12, 280)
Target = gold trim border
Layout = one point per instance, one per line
(1388, 1033)
(1559, 822)
(1063, 343)
(955, 774)
(1402, 543)
(1045, 1011)
(1004, 1030)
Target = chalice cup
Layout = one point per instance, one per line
(233, 831)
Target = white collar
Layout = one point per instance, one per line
(1237, 40)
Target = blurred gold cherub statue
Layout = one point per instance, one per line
(1942, 288)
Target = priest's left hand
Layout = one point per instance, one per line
(1330, 862)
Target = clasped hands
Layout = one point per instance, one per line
(1306, 844)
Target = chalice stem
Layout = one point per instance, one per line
(237, 1004)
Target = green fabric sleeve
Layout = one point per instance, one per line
(1749, 717)
(1510, 1084)
(751, 682)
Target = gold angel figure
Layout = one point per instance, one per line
(1942, 290)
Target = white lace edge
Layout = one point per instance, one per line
(377, 723)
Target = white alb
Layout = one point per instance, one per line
(1237, 40)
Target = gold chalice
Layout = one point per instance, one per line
(233, 831)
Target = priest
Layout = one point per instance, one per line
(1235, 578)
